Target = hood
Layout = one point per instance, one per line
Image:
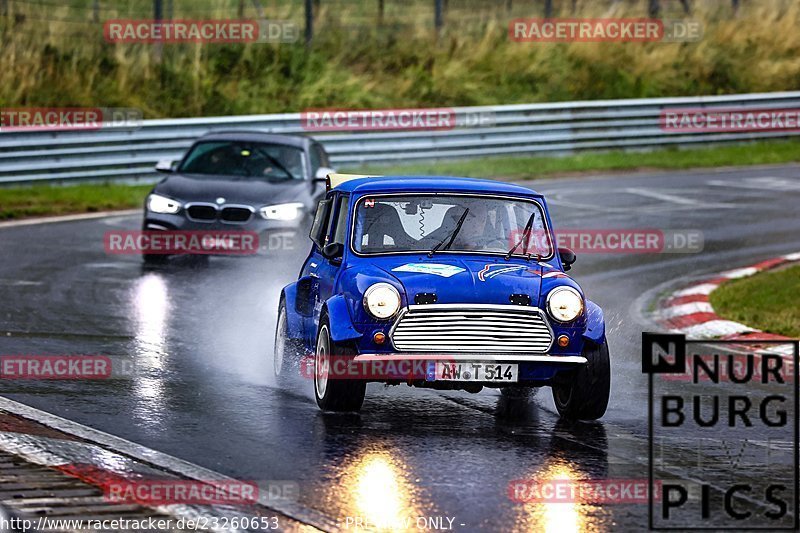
(235, 190)
(479, 279)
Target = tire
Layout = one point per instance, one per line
(287, 352)
(338, 395)
(585, 396)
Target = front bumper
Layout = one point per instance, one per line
(533, 369)
(475, 357)
(275, 236)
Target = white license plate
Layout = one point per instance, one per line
(493, 372)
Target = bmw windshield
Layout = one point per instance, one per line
(271, 162)
(422, 223)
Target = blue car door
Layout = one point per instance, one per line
(328, 269)
(308, 290)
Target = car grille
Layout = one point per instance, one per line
(458, 328)
(202, 212)
(235, 214)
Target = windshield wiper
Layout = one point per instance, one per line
(276, 163)
(450, 238)
(525, 234)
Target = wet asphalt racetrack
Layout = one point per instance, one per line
(201, 335)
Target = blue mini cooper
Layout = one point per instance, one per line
(440, 282)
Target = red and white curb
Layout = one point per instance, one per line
(95, 457)
(689, 310)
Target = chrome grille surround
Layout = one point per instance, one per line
(226, 213)
(472, 328)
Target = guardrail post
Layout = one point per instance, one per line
(438, 15)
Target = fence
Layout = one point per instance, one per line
(553, 128)
(314, 16)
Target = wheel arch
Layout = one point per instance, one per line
(294, 324)
(595, 330)
(339, 320)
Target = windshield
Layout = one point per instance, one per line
(271, 162)
(418, 223)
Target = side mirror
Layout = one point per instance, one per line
(333, 251)
(322, 173)
(567, 257)
(165, 165)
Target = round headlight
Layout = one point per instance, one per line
(564, 304)
(382, 300)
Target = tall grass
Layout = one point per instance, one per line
(55, 56)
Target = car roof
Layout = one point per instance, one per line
(257, 136)
(385, 184)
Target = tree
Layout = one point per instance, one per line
(654, 8)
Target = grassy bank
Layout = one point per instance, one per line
(766, 301)
(42, 200)
(355, 62)
(525, 168)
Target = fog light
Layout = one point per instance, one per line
(563, 341)
(379, 338)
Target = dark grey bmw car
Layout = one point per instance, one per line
(241, 180)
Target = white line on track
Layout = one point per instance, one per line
(673, 199)
(764, 183)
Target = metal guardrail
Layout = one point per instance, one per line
(565, 127)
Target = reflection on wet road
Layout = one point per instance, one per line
(199, 337)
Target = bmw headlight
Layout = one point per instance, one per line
(564, 304)
(161, 204)
(289, 211)
(382, 300)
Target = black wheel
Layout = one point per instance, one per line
(585, 395)
(287, 352)
(339, 395)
